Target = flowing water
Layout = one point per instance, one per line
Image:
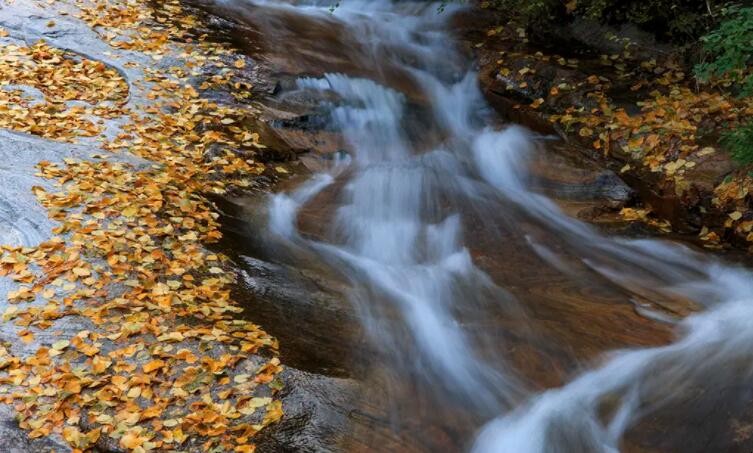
(433, 198)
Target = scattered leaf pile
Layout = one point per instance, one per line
(127, 25)
(135, 333)
(644, 216)
(733, 195)
(60, 77)
(648, 114)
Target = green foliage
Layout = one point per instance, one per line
(740, 143)
(729, 49)
(728, 55)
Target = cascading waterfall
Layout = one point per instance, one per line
(398, 234)
(383, 235)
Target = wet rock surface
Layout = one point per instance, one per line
(23, 221)
(318, 409)
(304, 307)
(15, 440)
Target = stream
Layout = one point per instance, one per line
(495, 321)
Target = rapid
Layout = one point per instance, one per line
(431, 187)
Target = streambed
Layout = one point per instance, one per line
(440, 279)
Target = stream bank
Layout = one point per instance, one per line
(618, 95)
(119, 332)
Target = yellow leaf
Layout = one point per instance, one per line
(10, 313)
(153, 365)
(93, 435)
(172, 336)
(100, 364)
(72, 435)
(130, 211)
(131, 440)
(152, 412)
(81, 272)
(274, 412)
(60, 345)
(134, 392)
(26, 336)
(241, 378)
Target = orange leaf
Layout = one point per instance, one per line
(153, 365)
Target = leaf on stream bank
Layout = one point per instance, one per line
(159, 357)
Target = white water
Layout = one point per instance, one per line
(398, 235)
